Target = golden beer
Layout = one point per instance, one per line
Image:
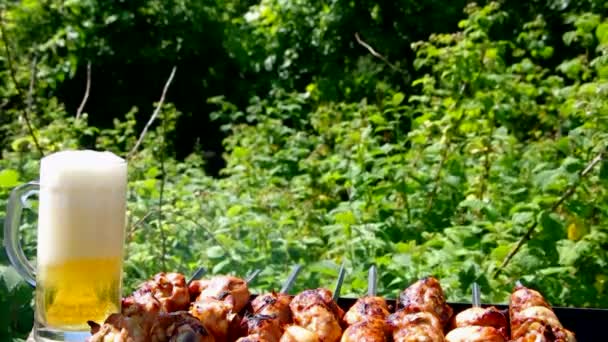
(68, 292)
(81, 223)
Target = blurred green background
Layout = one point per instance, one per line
(425, 137)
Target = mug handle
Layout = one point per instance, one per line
(12, 243)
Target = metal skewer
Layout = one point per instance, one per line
(197, 275)
(252, 275)
(291, 279)
(372, 281)
(341, 274)
(476, 295)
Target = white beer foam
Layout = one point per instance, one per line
(82, 206)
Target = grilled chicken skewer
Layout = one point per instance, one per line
(219, 303)
(478, 324)
(154, 312)
(367, 317)
(533, 320)
(270, 313)
(316, 315)
(423, 315)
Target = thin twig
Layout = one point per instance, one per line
(9, 59)
(377, 55)
(163, 176)
(30, 92)
(445, 153)
(154, 115)
(569, 192)
(87, 89)
(437, 178)
(134, 226)
(487, 165)
(211, 235)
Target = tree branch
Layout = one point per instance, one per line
(9, 59)
(569, 192)
(154, 115)
(135, 226)
(86, 92)
(377, 55)
(163, 176)
(30, 92)
(487, 165)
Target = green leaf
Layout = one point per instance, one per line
(551, 224)
(12, 279)
(234, 210)
(398, 99)
(604, 171)
(9, 178)
(601, 32)
(215, 252)
(345, 217)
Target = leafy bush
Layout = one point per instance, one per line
(442, 180)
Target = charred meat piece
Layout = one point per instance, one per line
(368, 330)
(475, 333)
(426, 295)
(316, 311)
(141, 301)
(146, 327)
(231, 290)
(196, 287)
(523, 298)
(273, 304)
(417, 326)
(216, 316)
(263, 327)
(294, 333)
(471, 321)
(365, 308)
(367, 320)
(485, 317)
(165, 292)
(532, 316)
(418, 333)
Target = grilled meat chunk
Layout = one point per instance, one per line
(367, 330)
(231, 290)
(216, 316)
(196, 287)
(316, 311)
(523, 298)
(294, 333)
(532, 317)
(146, 327)
(417, 326)
(426, 295)
(367, 307)
(475, 333)
(273, 304)
(485, 317)
(264, 327)
(165, 292)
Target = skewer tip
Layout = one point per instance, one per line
(291, 279)
(252, 275)
(197, 275)
(476, 295)
(341, 274)
(372, 281)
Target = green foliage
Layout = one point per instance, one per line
(442, 175)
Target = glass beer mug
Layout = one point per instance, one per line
(81, 224)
